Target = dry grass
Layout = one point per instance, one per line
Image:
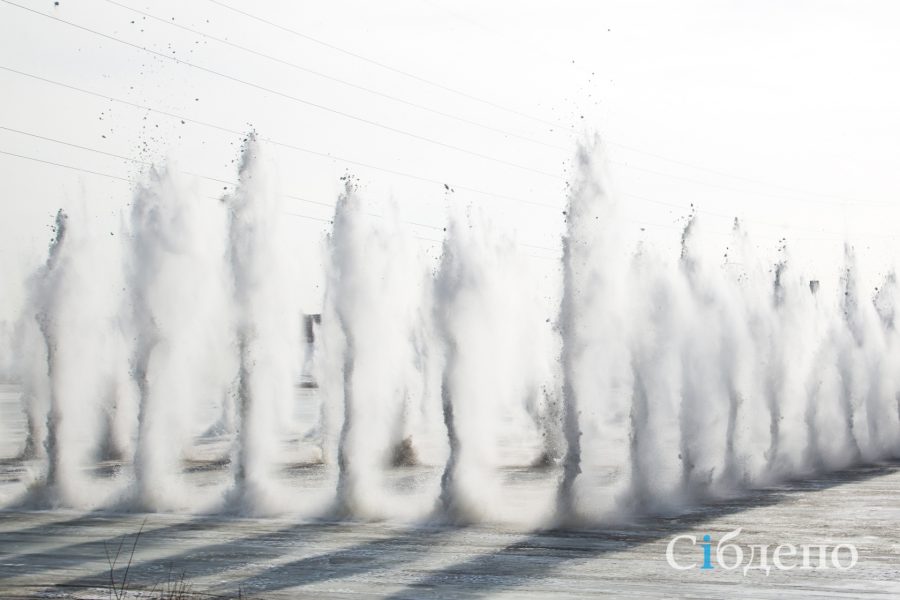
(174, 588)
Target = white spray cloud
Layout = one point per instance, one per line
(267, 326)
(667, 381)
(180, 355)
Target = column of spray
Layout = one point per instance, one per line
(789, 365)
(594, 355)
(73, 299)
(267, 330)
(886, 301)
(852, 411)
(694, 430)
(709, 400)
(806, 390)
(468, 307)
(858, 370)
(178, 359)
(34, 344)
(657, 303)
(836, 431)
(774, 375)
(48, 285)
(79, 320)
(343, 290)
(746, 357)
(372, 293)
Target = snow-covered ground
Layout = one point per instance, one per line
(61, 554)
(65, 554)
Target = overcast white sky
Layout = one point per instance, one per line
(799, 101)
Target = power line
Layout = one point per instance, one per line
(321, 154)
(143, 162)
(562, 127)
(388, 67)
(320, 219)
(357, 163)
(236, 132)
(281, 143)
(623, 164)
(291, 97)
(339, 80)
(653, 154)
(430, 140)
(302, 216)
(119, 156)
(294, 214)
(56, 164)
(488, 127)
(98, 151)
(127, 180)
(233, 183)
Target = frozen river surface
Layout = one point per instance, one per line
(59, 554)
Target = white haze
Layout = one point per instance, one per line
(656, 381)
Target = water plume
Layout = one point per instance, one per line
(32, 340)
(49, 281)
(175, 283)
(457, 281)
(708, 417)
(656, 457)
(745, 360)
(75, 299)
(594, 359)
(476, 291)
(669, 377)
(373, 295)
(266, 329)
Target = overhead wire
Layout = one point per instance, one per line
(289, 213)
(424, 138)
(568, 129)
(386, 66)
(312, 217)
(344, 82)
(330, 156)
(283, 144)
(292, 97)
